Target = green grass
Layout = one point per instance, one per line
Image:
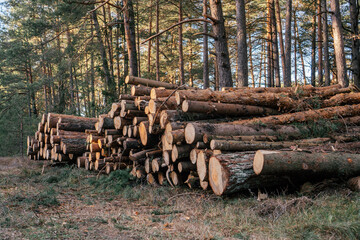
(69, 203)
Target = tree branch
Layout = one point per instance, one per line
(175, 25)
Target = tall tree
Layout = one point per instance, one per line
(270, 62)
(281, 39)
(287, 78)
(157, 62)
(242, 59)
(326, 43)
(129, 23)
(339, 44)
(205, 49)
(275, 47)
(320, 44)
(181, 53)
(355, 42)
(313, 50)
(221, 46)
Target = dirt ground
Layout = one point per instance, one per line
(38, 201)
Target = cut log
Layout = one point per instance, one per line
(43, 119)
(161, 178)
(162, 104)
(342, 99)
(175, 137)
(193, 155)
(354, 184)
(194, 131)
(311, 115)
(53, 118)
(292, 163)
(94, 147)
(146, 138)
(71, 133)
(140, 90)
(119, 122)
(150, 83)
(204, 185)
(81, 162)
(186, 166)
(138, 120)
(202, 164)
(167, 157)
(105, 122)
(140, 155)
(131, 143)
(226, 109)
(233, 172)
(165, 145)
(180, 151)
(57, 139)
(150, 179)
(195, 95)
(76, 124)
(156, 93)
(73, 146)
(109, 167)
(157, 164)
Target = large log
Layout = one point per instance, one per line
(180, 151)
(233, 172)
(342, 99)
(73, 146)
(53, 119)
(150, 83)
(156, 93)
(332, 164)
(207, 138)
(310, 115)
(57, 139)
(194, 131)
(105, 122)
(226, 109)
(78, 127)
(146, 138)
(233, 145)
(66, 133)
(119, 122)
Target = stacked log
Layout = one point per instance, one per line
(228, 140)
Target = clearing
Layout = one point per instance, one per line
(38, 201)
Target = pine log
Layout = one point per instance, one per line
(41, 127)
(126, 97)
(233, 172)
(150, 179)
(57, 139)
(140, 90)
(140, 155)
(94, 147)
(157, 164)
(153, 119)
(175, 137)
(161, 178)
(147, 165)
(81, 162)
(66, 133)
(136, 132)
(202, 164)
(207, 138)
(165, 145)
(73, 146)
(354, 184)
(105, 122)
(204, 185)
(233, 145)
(119, 122)
(138, 120)
(167, 157)
(162, 104)
(180, 151)
(124, 131)
(154, 154)
(176, 178)
(76, 124)
(226, 109)
(131, 143)
(193, 155)
(186, 166)
(195, 95)
(172, 126)
(150, 83)
(202, 145)
(53, 118)
(156, 93)
(43, 119)
(146, 138)
(310, 115)
(194, 131)
(292, 163)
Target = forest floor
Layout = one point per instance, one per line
(38, 201)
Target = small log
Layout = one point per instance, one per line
(157, 164)
(192, 180)
(146, 138)
(119, 123)
(112, 132)
(105, 122)
(81, 162)
(175, 137)
(167, 157)
(94, 147)
(150, 179)
(147, 165)
(176, 178)
(109, 167)
(207, 138)
(131, 143)
(202, 164)
(204, 185)
(156, 93)
(162, 104)
(193, 155)
(140, 155)
(138, 120)
(161, 178)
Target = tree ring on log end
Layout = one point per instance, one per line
(217, 177)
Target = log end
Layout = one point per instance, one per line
(185, 106)
(201, 166)
(127, 79)
(190, 133)
(153, 93)
(177, 98)
(217, 176)
(143, 132)
(259, 159)
(174, 153)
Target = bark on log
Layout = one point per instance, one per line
(233, 172)
(342, 99)
(186, 166)
(226, 109)
(150, 83)
(140, 155)
(354, 184)
(175, 137)
(207, 138)
(180, 151)
(105, 122)
(73, 146)
(146, 138)
(311, 115)
(81, 162)
(194, 131)
(162, 104)
(202, 164)
(331, 164)
(119, 123)
(156, 93)
(140, 90)
(53, 118)
(138, 120)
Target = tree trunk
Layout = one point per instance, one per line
(310, 164)
(295, 50)
(281, 38)
(205, 49)
(339, 44)
(274, 37)
(270, 67)
(105, 66)
(242, 59)
(129, 23)
(157, 42)
(149, 43)
(320, 44)
(287, 78)
(150, 83)
(326, 43)
(313, 51)
(222, 52)
(355, 41)
(181, 54)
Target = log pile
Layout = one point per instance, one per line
(228, 140)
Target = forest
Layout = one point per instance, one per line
(73, 56)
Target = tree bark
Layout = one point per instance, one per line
(301, 163)
(287, 77)
(313, 51)
(181, 53)
(320, 43)
(274, 37)
(129, 23)
(281, 38)
(326, 43)
(222, 52)
(157, 42)
(355, 41)
(205, 49)
(339, 44)
(242, 59)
